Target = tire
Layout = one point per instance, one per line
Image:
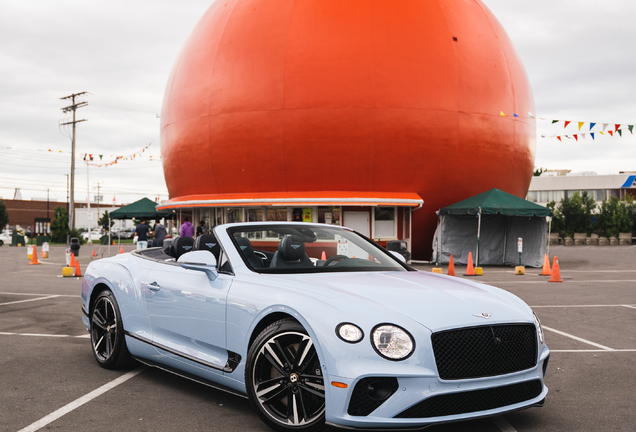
(107, 333)
(284, 380)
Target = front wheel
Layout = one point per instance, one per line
(284, 379)
(107, 333)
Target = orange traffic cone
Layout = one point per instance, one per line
(323, 257)
(556, 271)
(451, 267)
(113, 242)
(470, 270)
(546, 266)
(34, 256)
(42, 253)
(72, 264)
(93, 251)
(121, 249)
(78, 271)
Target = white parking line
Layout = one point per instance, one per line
(503, 424)
(593, 351)
(29, 300)
(581, 306)
(79, 402)
(579, 339)
(84, 336)
(554, 285)
(32, 294)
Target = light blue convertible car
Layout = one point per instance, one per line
(317, 325)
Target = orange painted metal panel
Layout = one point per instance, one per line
(306, 96)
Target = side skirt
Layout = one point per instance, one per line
(191, 377)
(233, 358)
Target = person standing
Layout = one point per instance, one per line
(142, 235)
(187, 229)
(201, 228)
(159, 234)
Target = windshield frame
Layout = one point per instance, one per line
(260, 226)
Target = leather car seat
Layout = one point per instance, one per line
(248, 252)
(181, 246)
(291, 253)
(208, 242)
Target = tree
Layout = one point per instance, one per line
(538, 171)
(4, 215)
(103, 222)
(59, 226)
(574, 215)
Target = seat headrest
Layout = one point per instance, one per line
(245, 246)
(208, 242)
(182, 245)
(291, 249)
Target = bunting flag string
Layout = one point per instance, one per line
(614, 128)
(91, 157)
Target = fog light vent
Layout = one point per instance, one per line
(370, 393)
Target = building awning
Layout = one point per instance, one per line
(291, 199)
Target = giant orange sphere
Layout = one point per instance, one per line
(349, 95)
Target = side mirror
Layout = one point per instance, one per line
(201, 261)
(398, 256)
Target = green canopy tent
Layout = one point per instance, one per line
(488, 225)
(142, 209)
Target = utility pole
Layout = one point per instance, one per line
(73, 107)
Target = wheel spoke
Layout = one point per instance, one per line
(302, 405)
(309, 360)
(313, 391)
(303, 349)
(281, 389)
(271, 357)
(99, 342)
(294, 409)
(282, 352)
(98, 318)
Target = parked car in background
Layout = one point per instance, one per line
(5, 237)
(95, 235)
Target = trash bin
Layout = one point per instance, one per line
(103, 240)
(400, 247)
(17, 239)
(75, 246)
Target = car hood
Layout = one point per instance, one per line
(437, 302)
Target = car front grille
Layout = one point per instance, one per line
(473, 401)
(485, 351)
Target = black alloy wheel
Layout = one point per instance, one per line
(107, 333)
(284, 378)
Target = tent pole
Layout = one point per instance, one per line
(109, 234)
(505, 240)
(549, 233)
(478, 235)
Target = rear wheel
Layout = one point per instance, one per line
(284, 379)
(107, 333)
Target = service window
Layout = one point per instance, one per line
(385, 224)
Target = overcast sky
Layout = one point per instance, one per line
(578, 53)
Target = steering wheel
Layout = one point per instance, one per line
(333, 258)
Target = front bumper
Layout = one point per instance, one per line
(413, 390)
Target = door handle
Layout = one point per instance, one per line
(154, 286)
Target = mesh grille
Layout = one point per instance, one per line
(485, 351)
(473, 401)
(361, 403)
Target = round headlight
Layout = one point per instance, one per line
(349, 332)
(539, 328)
(392, 342)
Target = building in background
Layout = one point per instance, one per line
(554, 185)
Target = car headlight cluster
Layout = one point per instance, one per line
(539, 328)
(389, 341)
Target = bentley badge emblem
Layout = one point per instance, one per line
(485, 315)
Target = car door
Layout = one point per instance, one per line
(187, 313)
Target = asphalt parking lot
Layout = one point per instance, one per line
(50, 380)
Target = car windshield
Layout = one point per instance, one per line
(296, 248)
